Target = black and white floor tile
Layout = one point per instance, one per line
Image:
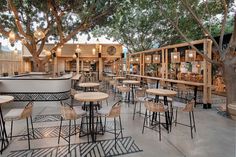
(99, 149)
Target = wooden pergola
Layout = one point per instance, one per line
(141, 59)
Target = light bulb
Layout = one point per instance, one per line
(94, 51)
(59, 51)
(12, 37)
(175, 57)
(190, 55)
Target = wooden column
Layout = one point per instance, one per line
(55, 66)
(207, 46)
(141, 63)
(166, 63)
(100, 68)
(209, 73)
(162, 63)
(77, 65)
(128, 64)
(82, 65)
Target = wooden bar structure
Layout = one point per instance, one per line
(167, 55)
(97, 57)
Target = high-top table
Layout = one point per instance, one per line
(131, 83)
(3, 134)
(90, 85)
(91, 97)
(165, 93)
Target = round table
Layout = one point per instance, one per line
(119, 78)
(3, 135)
(132, 83)
(91, 97)
(90, 85)
(165, 93)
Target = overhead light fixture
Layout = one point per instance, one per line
(76, 55)
(190, 55)
(47, 52)
(39, 34)
(175, 56)
(12, 37)
(94, 51)
(137, 59)
(59, 50)
(131, 60)
(77, 50)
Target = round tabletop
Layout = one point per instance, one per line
(111, 75)
(89, 84)
(120, 78)
(161, 92)
(5, 99)
(131, 82)
(91, 96)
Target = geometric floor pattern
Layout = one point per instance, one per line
(47, 118)
(100, 148)
(53, 131)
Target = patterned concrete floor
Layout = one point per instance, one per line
(216, 136)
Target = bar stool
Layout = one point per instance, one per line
(70, 113)
(112, 112)
(154, 107)
(123, 89)
(140, 97)
(188, 108)
(19, 114)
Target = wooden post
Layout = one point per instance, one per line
(209, 73)
(166, 63)
(141, 63)
(100, 69)
(206, 75)
(128, 64)
(77, 65)
(162, 63)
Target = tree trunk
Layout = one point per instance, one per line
(229, 75)
(39, 66)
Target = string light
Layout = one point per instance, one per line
(59, 51)
(12, 37)
(94, 51)
(39, 34)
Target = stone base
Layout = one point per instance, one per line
(232, 110)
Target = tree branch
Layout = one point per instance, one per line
(186, 5)
(189, 41)
(54, 11)
(222, 31)
(17, 22)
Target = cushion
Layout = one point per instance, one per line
(104, 111)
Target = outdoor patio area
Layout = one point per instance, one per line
(215, 136)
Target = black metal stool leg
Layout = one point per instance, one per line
(194, 126)
(191, 127)
(176, 111)
(59, 131)
(32, 126)
(159, 116)
(69, 135)
(144, 121)
(115, 131)
(134, 109)
(28, 132)
(11, 130)
(121, 131)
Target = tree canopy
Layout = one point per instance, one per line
(58, 20)
(140, 25)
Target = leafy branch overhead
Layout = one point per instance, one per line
(59, 20)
